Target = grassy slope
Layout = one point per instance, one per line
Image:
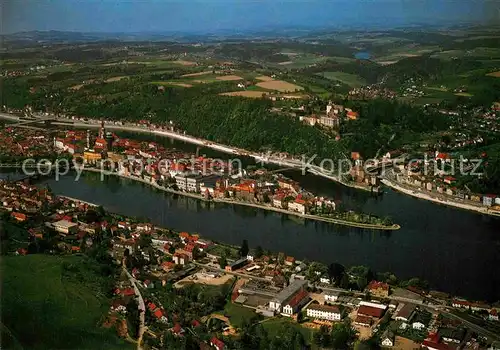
(42, 309)
(275, 327)
(346, 78)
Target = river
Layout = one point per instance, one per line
(455, 250)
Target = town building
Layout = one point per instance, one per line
(330, 122)
(64, 226)
(295, 304)
(181, 258)
(406, 312)
(217, 343)
(379, 289)
(331, 297)
(188, 183)
(493, 315)
(238, 264)
(324, 312)
(325, 280)
(278, 302)
(299, 205)
(370, 311)
(363, 321)
(19, 216)
(452, 335)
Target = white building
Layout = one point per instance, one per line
(298, 205)
(418, 325)
(331, 297)
(325, 280)
(387, 339)
(377, 305)
(324, 312)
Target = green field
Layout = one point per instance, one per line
(238, 314)
(45, 308)
(346, 78)
(275, 327)
(299, 61)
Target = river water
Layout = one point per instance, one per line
(455, 250)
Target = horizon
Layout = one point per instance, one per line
(216, 16)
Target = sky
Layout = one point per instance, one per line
(238, 15)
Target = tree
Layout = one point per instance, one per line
(244, 249)
(258, 251)
(145, 241)
(342, 335)
(197, 253)
(223, 262)
(316, 270)
(336, 271)
(344, 281)
(322, 338)
(362, 282)
(100, 211)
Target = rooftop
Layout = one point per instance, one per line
(325, 308)
(64, 224)
(288, 292)
(370, 311)
(406, 311)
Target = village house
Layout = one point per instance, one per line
(331, 297)
(180, 258)
(310, 120)
(278, 200)
(387, 339)
(160, 317)
(452, 335)
(217, 344)
(177, 330)
(371, 310)
(289, 261)
(421, 320)
(379, 289)
(238, 264)
(120, 246)
(298, 205)
(19, 216)
(325, 280)
(288, 184)
(406, 312)
(363, 321)
(493, 315)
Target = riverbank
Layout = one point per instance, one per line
(393, 227)
(260, 158)
(421, 195)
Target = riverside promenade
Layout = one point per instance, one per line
(440, 199)
(285, 162)
(253, 205)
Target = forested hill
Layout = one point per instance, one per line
(199, 111)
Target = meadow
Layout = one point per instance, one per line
(346, 78)
(43, 307)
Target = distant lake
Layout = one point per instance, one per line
(363, 55)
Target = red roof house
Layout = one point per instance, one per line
(217, 343)
(365, 310)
